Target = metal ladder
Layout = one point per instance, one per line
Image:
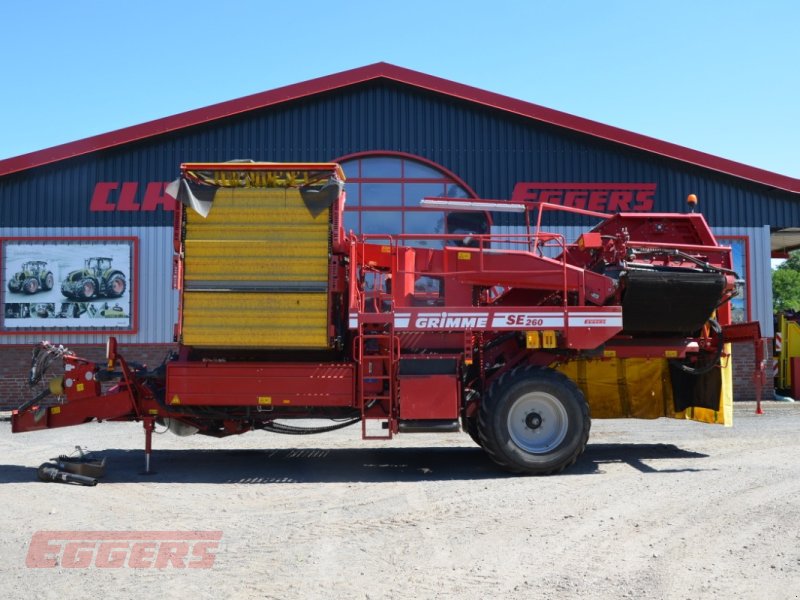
(377, 352)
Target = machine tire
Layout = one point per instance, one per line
(534, 421)
(88, 289)
(116, 285)
(31, 286)
(470, 425)
(48, 281)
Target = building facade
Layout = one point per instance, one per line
(95, 211)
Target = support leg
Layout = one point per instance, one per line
(149, 426)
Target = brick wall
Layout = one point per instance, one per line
(743, 385)
(15, 363)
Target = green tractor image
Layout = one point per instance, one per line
(96, 279)
(33, 277)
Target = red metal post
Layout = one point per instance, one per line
(759, 374)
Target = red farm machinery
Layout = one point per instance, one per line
(517, 339)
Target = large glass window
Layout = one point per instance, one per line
(383, 194)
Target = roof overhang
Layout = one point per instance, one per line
(784, 241)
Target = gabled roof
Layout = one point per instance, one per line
(383, 70)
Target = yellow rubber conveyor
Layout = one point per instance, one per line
(255, 270)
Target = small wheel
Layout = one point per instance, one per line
(48, 281)
(88, 288)
(31, 286)
(116, 285)
(534, 421)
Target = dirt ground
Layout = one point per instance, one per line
(659, 509)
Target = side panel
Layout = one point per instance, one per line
(428, 397)
(265, 385)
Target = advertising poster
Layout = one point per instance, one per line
(67, 284)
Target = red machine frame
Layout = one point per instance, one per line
(406, 357)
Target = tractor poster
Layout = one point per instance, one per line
(67, 284)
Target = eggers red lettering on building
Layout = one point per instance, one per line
(599, 197)
(123, 549)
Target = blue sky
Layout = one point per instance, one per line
(718, 76)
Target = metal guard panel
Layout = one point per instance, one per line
(265, 385)
(255, 320)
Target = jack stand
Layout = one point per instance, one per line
(149, 425)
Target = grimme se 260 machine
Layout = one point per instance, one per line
(516, 338)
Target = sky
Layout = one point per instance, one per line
(718, 76)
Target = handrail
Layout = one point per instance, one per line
(539, 240)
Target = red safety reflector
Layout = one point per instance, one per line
(590, 241)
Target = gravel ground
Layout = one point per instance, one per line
(654, 509)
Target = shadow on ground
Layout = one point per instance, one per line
(633, 455)
(318, 465)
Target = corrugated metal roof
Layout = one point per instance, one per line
(490, 150)
(385, 71)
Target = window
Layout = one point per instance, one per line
(383, 194)
(740, 305)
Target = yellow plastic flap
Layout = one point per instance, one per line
(641, 388)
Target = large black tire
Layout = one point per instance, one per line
(470, 424)
(116, 285)
(48, 282)
(534, 421)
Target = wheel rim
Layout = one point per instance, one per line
(538, 422)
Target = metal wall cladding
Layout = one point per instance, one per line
(759, 273)
(490, 149)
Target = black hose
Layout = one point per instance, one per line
(292, 430)
(35, 400)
